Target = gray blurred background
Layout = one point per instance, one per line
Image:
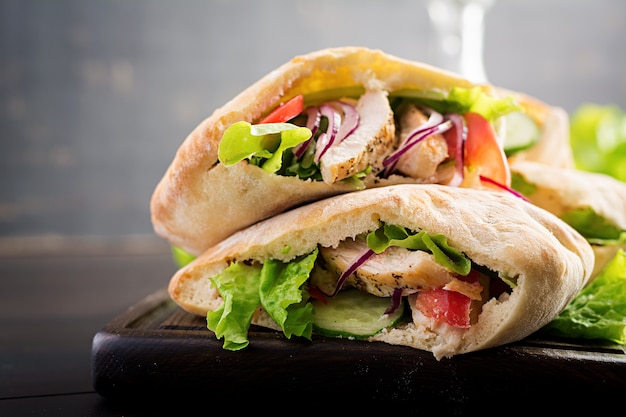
(97, 95)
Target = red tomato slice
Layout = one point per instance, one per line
(317, 294)
(285, 111)
(448, 306)
(483, 152)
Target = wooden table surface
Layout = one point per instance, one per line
(55, 295)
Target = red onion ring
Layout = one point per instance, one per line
(327, 139)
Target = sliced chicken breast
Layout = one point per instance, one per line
(394, 268)
(367, 145)
(420, 161)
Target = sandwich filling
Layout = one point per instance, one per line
(420, 277)
(372, 134)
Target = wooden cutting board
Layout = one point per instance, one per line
(155, 349)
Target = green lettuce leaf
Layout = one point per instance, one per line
(478, 102)
(238, 286)
(276, 286)
(620, 241)
(591, 225)
(462, 100)
(264, 142)
(304, 167)
(599, 310)
(520, 184)
(282, 295)
(180, 256)
(444, 254)
(356, 180)
(598, 139)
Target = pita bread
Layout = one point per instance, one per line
(548, 259)
(199, 201)
(561, 190)
(553, 147)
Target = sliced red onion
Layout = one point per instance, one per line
(314, 118)
(350, 121)
(459, 145)
(338, 129)
(434, 118)
(415, 137)
(334, 121)
(360, 260)
(322, 144)
(396, 298)
(504, 187)
(312, 123)
(418, 134)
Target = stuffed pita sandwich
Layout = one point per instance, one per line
(592, 203)
(443, 269)
(330, 122)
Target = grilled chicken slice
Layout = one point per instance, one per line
(394, 268)
(421, 161)
(367, 145)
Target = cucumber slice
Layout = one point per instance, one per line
(521, 132)
(180, 256)
(355, 314)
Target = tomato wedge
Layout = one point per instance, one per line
(447, 306)
(317, 294)
(285, 111)
(482, 151)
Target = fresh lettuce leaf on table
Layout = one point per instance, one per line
(598, 140)
(599, 310)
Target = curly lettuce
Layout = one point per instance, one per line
(391, 235)
(276, 286)
(264, 144)
(599, 310)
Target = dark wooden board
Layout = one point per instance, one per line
(156, 350)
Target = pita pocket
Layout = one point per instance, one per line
(443, 269)
(330, 122)
(593, 203)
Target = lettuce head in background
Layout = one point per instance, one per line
(598, 140)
